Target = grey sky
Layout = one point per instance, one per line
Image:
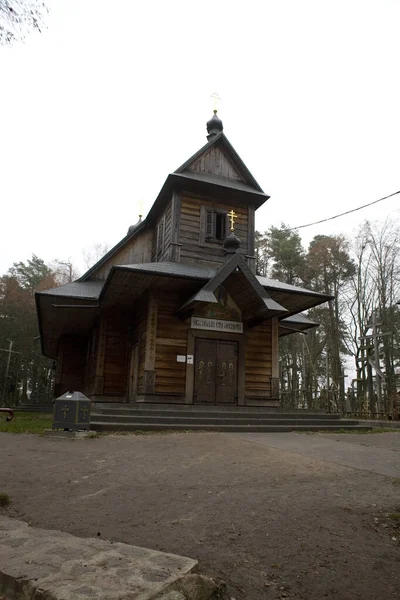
(96, 113)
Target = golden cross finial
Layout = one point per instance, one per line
(140, 209)
(216, 98)
(232, 216)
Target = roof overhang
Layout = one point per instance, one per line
(295, 324)
(73, 309)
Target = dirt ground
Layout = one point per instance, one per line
(270, 523)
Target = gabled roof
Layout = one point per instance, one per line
(221, 141)
(241, 283)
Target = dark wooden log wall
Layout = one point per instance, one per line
(139, 323)
(171, 341)
(92, 345)
(71, 361)
(211, 253)
(258, 361)
(116, 354)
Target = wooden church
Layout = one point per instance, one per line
(175, 312)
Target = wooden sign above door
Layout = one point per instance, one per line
(216, 325)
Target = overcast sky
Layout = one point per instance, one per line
(96, 112)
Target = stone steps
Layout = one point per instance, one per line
(100, 407)
(175, 417)
(221, 414)
(122, 426)
(192, 419)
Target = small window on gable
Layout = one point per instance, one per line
(215, 226)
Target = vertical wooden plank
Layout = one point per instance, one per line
(202, 230)
(275, 347)
(150, 351)
(101, 351)
(251, 238)
(175, 227)
(59, 366)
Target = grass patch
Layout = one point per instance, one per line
(396, 480)
(5, 499)
(27, 422)
(395, 516)
(93, 435)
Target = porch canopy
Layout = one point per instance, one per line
(74, 308)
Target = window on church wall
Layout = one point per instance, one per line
(216, 225)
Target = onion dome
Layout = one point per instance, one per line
(133, 227)
(214, 126)
(231, 243)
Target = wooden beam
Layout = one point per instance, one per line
(101, 351)
(151, 343)
(275, 346)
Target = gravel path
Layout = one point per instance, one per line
(377, 453)
(271, 523)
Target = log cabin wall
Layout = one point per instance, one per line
(89, 383)
(138, 250)
(139, 336)
(116, 354)
(171, 341)
(162, 238)
(258, 362)
(71, 361)
(196, 247)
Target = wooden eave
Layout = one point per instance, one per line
(295, 324)
(63, 315)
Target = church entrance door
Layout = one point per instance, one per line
(215, 372)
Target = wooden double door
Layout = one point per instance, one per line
(216, 364)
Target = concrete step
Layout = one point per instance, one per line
(228, 413)
(138, 406)
(213, 420)
(120, 426)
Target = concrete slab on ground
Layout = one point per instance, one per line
(377, 453)
(52, 564)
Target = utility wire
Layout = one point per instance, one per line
(344, 213)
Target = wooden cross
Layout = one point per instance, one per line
(65, 410)
(216, 98)
(232, 216)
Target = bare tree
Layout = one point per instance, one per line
(371, 311)
(65, 271)
(94, 253)
(19, 17)
(384, 244)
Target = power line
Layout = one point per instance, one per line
(344, 213)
